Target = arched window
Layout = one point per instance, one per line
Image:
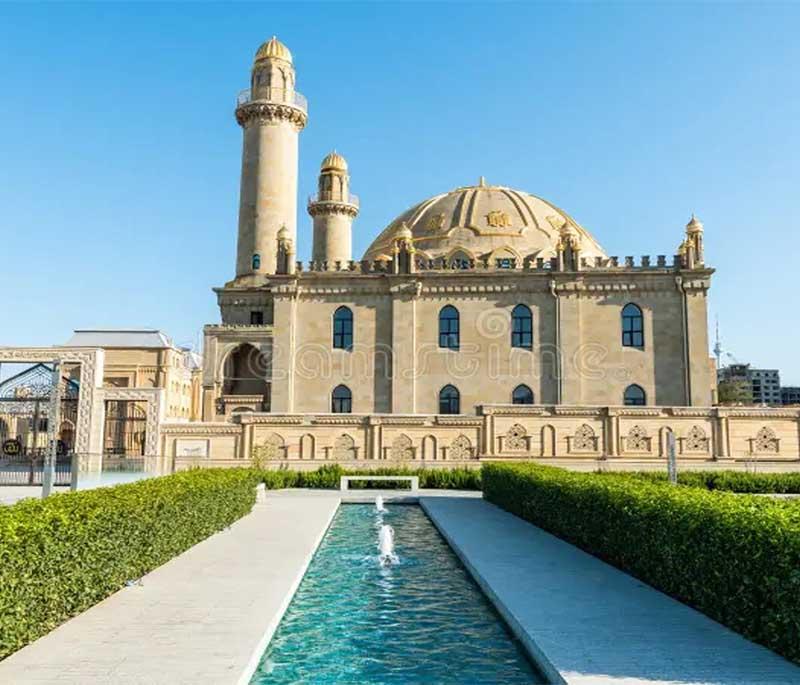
(459, 260)
(521, 327)
(632, 326)
(635, 396)
(256, 262)
(449, 400)
(522, 395)
(341, 400)
(343, 329)
(448, 328)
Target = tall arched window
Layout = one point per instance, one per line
(448, 328)
(522, 395)
(522, 327)
(632, 326)
(635, 396)
(449, 400)
(343, 329)
(341, 400)
(256, 262)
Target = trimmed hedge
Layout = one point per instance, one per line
(60, 556)
(735, 558)
(328, 477)
(731, 481)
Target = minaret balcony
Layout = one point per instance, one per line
(334, 196)
(278, 96)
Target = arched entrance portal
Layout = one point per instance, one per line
(245, 384)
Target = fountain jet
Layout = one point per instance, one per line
(379, 505)
(386, 546)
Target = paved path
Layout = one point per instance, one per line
(11, 494)
(593, 623)
(204, 617)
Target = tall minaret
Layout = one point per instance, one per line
(272, 115)
(333, 209)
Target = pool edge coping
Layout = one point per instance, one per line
(533, 651)
(258, 651)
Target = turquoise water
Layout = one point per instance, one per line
(421, 620)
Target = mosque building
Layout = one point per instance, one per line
(482, 323)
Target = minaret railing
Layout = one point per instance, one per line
(284, 96)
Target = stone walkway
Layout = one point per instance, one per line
(588, 621)
(204, 617)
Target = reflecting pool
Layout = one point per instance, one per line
(414, 617)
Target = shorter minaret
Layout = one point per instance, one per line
(691, 250)
(333, 209)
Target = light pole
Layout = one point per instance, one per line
(672, 464)
(53, 422)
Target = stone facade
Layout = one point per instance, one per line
(577, 436)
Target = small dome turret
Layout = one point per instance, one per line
(334, 162)
(404, 233)
(273, 49)
(694, 225)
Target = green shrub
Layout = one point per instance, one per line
(328, 477)
(732, 481)
(60, 556)
(734, 557)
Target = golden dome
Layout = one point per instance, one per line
(694, 225)
(273, 49)
(483, 221)
(334, 162)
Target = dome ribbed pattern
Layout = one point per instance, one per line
(273, 49)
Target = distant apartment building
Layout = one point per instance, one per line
(790, 395)
(765, 384)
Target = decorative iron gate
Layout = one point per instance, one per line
(125, 428)
(24, 410)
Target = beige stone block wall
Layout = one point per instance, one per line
(318, 368)
(602, 368)
(560, 435)
(744, 434)
(548, 436)
(485, 369)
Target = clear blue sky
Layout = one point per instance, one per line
(120, 155)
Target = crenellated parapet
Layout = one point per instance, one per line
(645, 263)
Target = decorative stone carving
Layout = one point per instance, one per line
(517, 438)
(325, 207)
(498, 219)
(271, 449)
(401, 449)
(766, 441)
(584, 438)
(436, 222)
(270, 112)
(344, 448)
(461, 448)
(697, 440)
(637, 440)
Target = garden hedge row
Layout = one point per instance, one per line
(734, 557)
(60, 556)
(328, 477)
(732, 481)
